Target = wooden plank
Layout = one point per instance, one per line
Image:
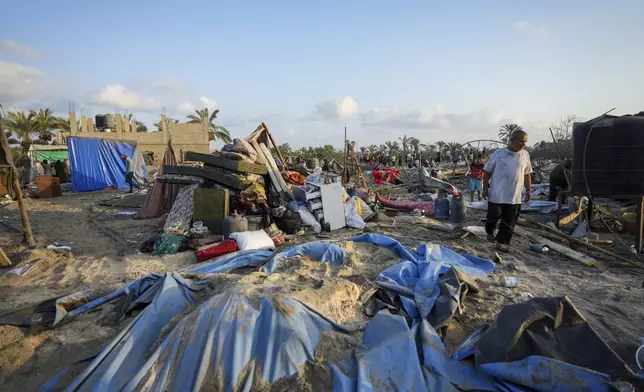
(224, 163)
(272, 165)
(564, 250)
(209, 174)
(260, 156)
(4, 260)
(576, 241)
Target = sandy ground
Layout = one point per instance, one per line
(609, 297)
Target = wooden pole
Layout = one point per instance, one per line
(26, 227)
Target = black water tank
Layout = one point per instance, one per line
(614, 157)
(100, 121)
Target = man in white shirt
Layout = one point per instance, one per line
(509, 171)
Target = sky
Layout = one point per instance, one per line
(451, 71)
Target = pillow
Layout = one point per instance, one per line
(249, 240)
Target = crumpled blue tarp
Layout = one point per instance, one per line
(116, 364)
(327, 252)
(232, 261)
(400, 358)
(233, 343)
(96, 164)
(417, 280)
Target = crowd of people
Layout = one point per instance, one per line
(43, 167)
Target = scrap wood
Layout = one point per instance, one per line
(4, 260)
(208, 174)
(224, 163)
(561, 249)
(571, 239)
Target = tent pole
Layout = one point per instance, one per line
(26, 227)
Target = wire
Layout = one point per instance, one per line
(590, 197)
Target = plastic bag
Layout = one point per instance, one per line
(287, 219)
(251, 240)
(351, 215)
(308, 219)
(168, 244)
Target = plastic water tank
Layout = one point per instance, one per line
(110, 121)
(613, 156)
(100, 121)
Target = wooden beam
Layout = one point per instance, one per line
(574, 240)
(26, 227)
(208, 174)
(225, 163)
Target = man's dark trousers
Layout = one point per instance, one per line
(505, 216)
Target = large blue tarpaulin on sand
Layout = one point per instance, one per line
(233, 343)
(96, 164)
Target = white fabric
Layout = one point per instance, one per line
(251, 240)
(508, 169)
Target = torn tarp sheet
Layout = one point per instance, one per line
(399, 358)
(418, 282)
(232, 261)
(96, 164)
(230, 344)
(115, 365)
(546, 344)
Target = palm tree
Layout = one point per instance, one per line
(441, 148)
(404, 142)
(415, 145)
(506, 130)
(140, 127)
(215, 131)
(23, 126)
(46, 123)
(65, 125)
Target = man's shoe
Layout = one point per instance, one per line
(491, 237)
(502, 248)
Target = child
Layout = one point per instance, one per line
(476, 178)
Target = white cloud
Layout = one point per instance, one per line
(338, 108)
(208, 103)
(20, 83)
(118, 95)
(537, 30)
(9, 46)
(186, 108)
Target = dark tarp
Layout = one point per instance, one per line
(96, 164)
(162, 195)
(547, 327)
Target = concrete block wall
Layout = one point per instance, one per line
(185, 136)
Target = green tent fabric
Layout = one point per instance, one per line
(51, 156)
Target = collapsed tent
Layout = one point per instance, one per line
(96, 164)
(163, 194)
(233, 342)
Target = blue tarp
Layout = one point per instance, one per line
(233, 343)
(96, 164)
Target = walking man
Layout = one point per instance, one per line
(509, 171)
(129, 172)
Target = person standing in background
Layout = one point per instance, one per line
(129, 172)
(509, 171)
(476, 178)
(40, 170)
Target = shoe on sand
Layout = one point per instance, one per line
(502, 248)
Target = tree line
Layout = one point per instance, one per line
(38, 127)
